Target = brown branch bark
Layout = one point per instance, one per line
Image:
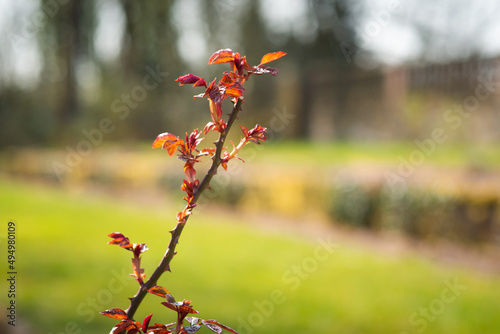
(176, 232)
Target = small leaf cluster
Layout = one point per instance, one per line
(230, 86)
(182, 308)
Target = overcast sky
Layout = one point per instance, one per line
(384, 28)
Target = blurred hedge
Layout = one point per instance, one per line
(463, 208)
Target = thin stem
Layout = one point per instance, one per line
(218, 152)
(176, 232)
(179, 324)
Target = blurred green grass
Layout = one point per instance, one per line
(67, 273)
(393, 152)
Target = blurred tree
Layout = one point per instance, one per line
(325, 53)
(65, 41)
(149, 43)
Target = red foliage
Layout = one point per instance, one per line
(230, 86)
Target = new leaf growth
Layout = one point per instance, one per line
(230, 86)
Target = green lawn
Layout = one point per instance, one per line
(244, 277)
(391, 153)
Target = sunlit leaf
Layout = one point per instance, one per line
(234, 90)
(120, 239)
(159, 291)
(267, 58)
(115, 313)
(187, 309)
(227, 79)
(122, 326)
(116, 235)
(221, 56)
(193, 320)
(162, 137)
(160, 328)
(117, 238)
(128, 326)
(168, 142)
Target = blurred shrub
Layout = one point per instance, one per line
(414, 212)
(353, 204)
(469, 216)
(417, 212)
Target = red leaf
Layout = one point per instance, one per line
(168, 142)
(121, 327)
(189, 79)
(116, 235)
(161, 328)
(200, 82)
(221, 56)
(207, 151)
(145, 323)
(187, 309)
(139, 248)
(171, 146)
(227, 79)
(170, 306)
(245, 64)
(162, 137)
(115, 313)
(234, 90)
(267, 58)
(159, 291)
(257, 134)
(208, 127)
(119, 239)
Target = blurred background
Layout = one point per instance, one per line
(383, 136)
